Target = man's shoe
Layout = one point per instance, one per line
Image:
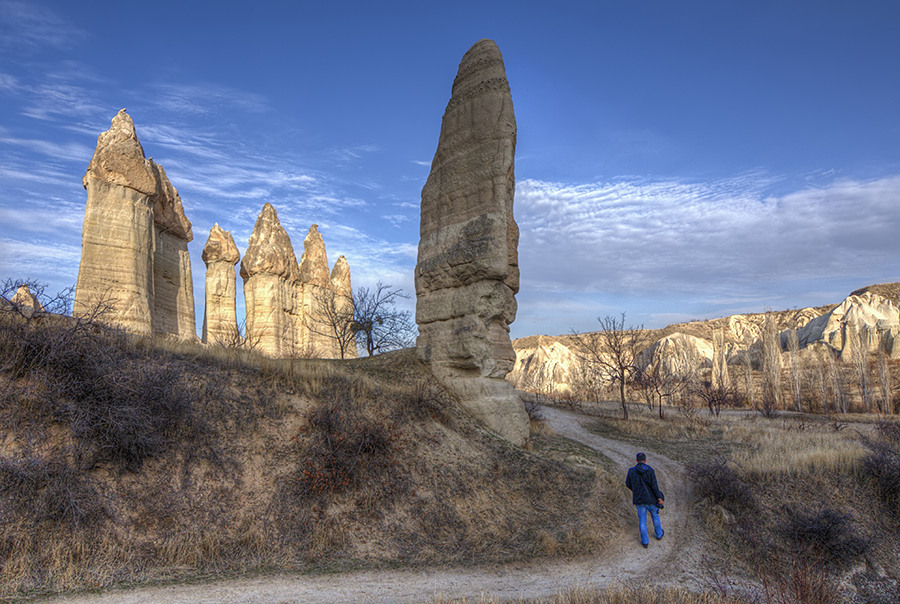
(661, 536)
(646, 545)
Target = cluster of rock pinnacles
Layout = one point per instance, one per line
(135, 261)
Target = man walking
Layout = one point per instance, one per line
(646, 496)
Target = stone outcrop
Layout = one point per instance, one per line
(271, 279)
(134, 260)
(867, 318)
(467, 273)
(25, 303)
(677, 354)
(284, 298)
(546, 367)
(343, 300)
(220, 254)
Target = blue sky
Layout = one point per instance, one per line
(675, 160)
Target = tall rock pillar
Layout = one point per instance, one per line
(173, 286)
(315, 279)
(116, 270)
(467, 273)
(270, 273)
(220, 254)
(343, 300)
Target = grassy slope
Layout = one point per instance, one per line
(799, 500)
(125, 462)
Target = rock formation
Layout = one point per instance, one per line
(284, 298)
(220, 254)
(546, 367)
(343, 301)
(173, 285)
(25, 302)
(271, 277)
(134, 260)
(314, 330)
(868, 318)
(677, 354)
(467, 273)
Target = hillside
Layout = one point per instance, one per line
(122, 461)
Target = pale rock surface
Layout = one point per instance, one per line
(315, 281)
(116, 269)
(549, 367)
(873, 317)
(220, 254)
(677, 354)
(343, 292)
(271, 279)
(467, 273)
(25, 302)
(173, 285)
(134, 259)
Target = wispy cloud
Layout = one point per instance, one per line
(647, 237)
(28, 26)
(205, 98)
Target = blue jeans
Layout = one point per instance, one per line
(642, 510)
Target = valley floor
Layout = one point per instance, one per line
(675, 560)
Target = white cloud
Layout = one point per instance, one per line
(27, 26)
(656, 237)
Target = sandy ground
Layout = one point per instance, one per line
(674, 560)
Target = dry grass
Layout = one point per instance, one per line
(620, 594)
(259, 464)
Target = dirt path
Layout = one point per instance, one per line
(674, 560)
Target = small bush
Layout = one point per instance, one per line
(826, 536)
(722, 484)
(882, 464)
(48, 491)
(340, 444)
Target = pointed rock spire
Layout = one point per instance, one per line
(220, 254)
(314, 262)
(467, 272)
(269, 251)
(119, 158)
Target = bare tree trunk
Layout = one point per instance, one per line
(794, 349)
(771, 367)
(861, 360)
(884, 373)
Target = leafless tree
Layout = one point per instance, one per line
(793, 346)
(381, 324)
(715, 396)
(886, 382)
(612, 352)
(334, 319)
(771, 366)
(748, 369)
(859, 340)
(656, 385)
(838, 385)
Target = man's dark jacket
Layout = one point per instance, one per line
(641, 480)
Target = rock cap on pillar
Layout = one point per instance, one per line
(269, 250)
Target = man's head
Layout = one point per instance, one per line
(641, 458)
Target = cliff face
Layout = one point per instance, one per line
(467, 273)
(134, 259)
(865, 319)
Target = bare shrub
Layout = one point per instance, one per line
(827, 536)
(882, 464)
(339, 446)
(48, 491)
(723, 486)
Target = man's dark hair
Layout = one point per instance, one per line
(641, 457)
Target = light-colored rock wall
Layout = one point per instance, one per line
(220, 254)
(271, 275)
(134, 259)
(467, 273)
